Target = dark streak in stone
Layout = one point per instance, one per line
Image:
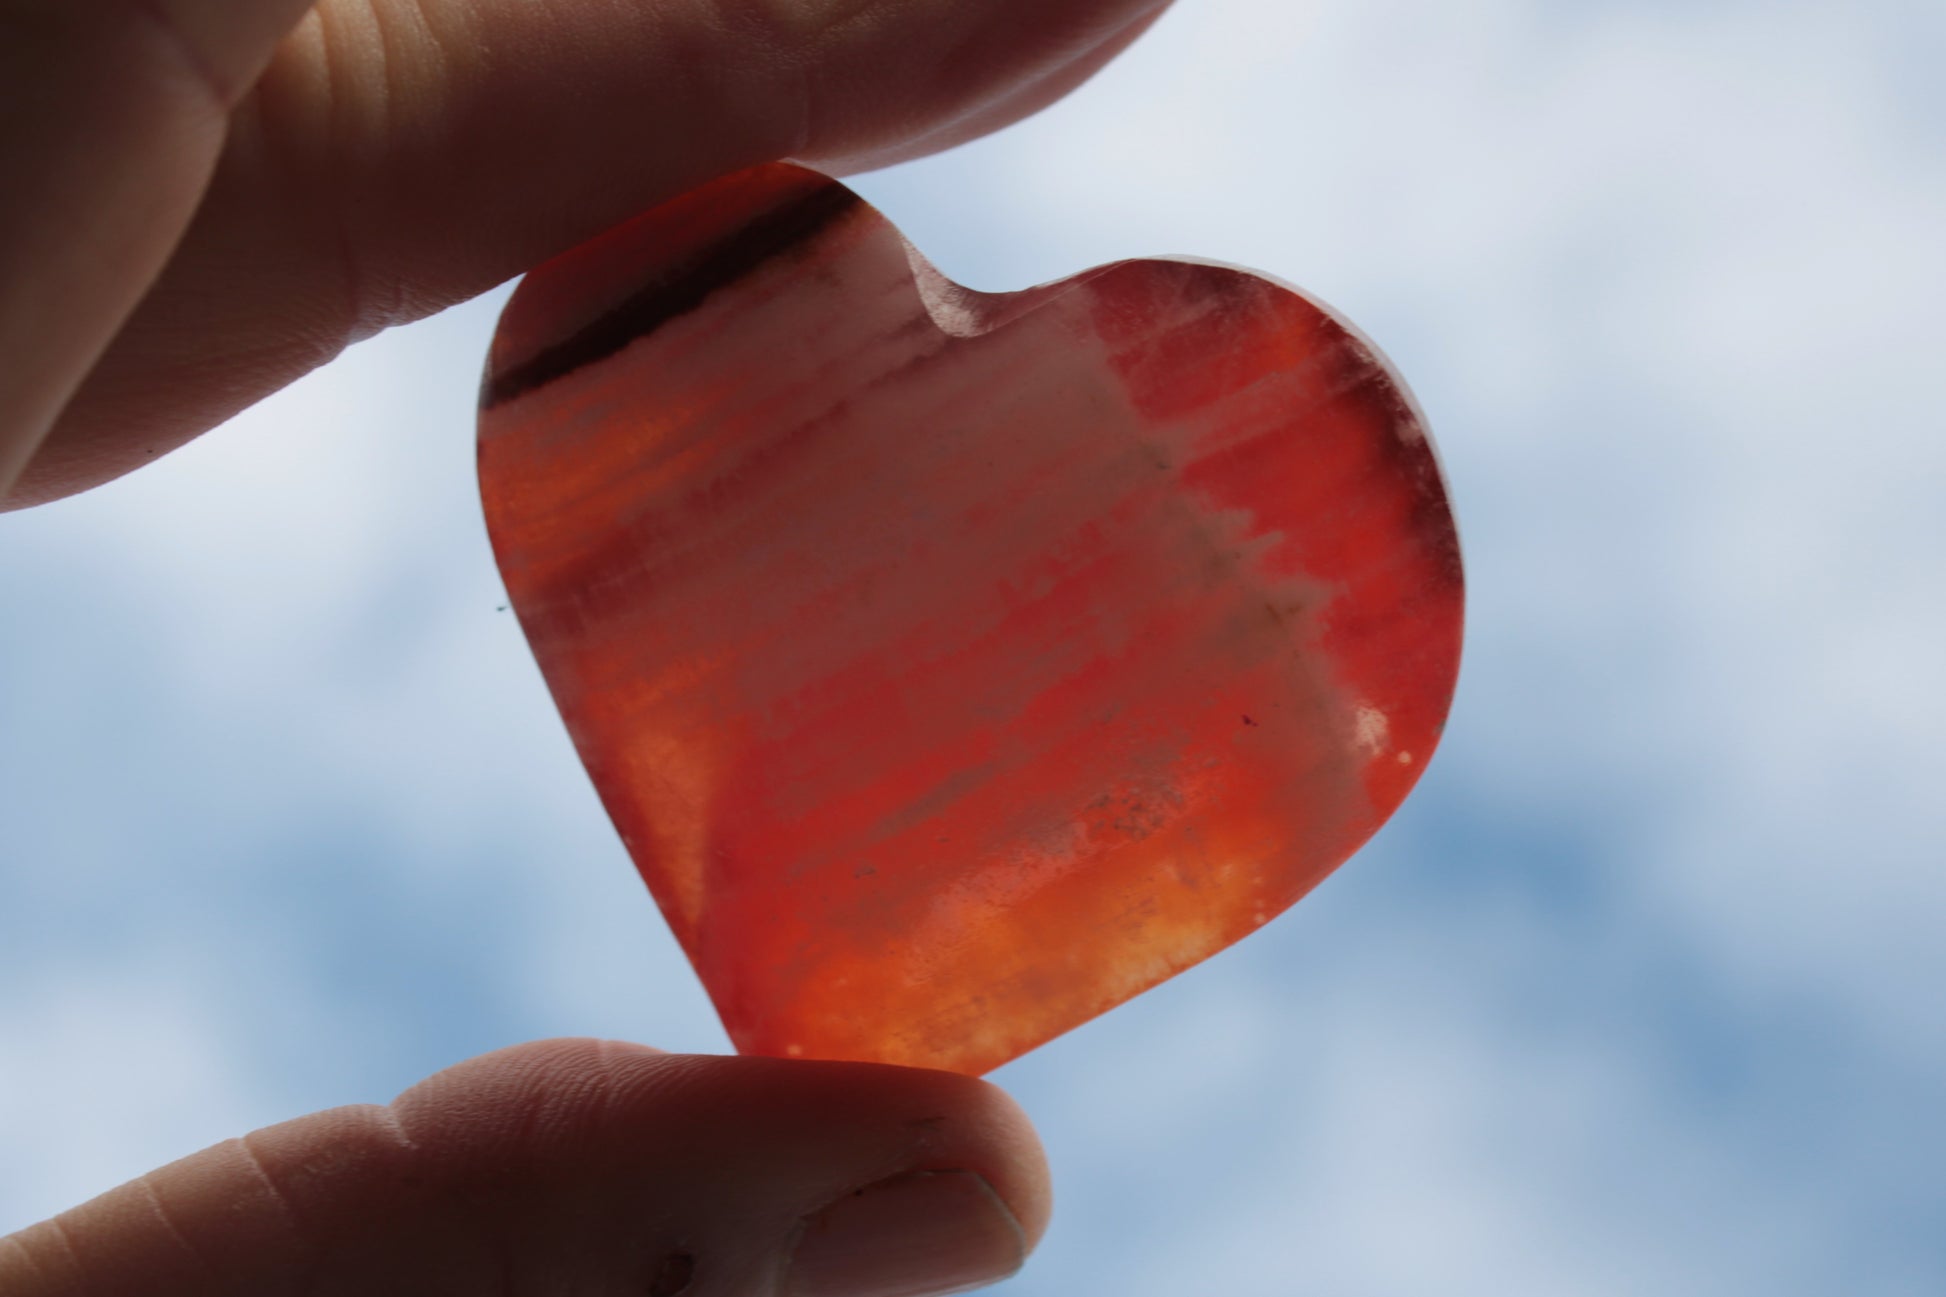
(680, 290)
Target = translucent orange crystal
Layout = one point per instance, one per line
(956, 666)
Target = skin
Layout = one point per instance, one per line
(207, 199)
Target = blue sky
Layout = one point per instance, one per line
(1641, 992)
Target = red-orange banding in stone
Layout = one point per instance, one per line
(958, 666)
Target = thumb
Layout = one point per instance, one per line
(582, 1167)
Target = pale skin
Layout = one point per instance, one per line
(206, 199)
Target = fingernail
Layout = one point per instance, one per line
(920, 1235)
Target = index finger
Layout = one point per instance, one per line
(399, 157)
(115, 112)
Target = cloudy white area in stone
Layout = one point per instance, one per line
(1640, 991)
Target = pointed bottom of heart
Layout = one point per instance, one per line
(957, 666)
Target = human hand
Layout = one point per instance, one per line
(581, 1167)
(206, 199)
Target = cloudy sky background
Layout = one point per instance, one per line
(1644, 991)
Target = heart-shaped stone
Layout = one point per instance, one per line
(956, 666)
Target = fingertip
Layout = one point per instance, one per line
(1029, 94)
(1025, 1183)
(808, 1129)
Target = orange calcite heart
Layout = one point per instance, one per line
(956, 666)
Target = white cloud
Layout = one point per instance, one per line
(141, 1073)
(1638, 996)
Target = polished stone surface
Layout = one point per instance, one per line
(957, 666)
